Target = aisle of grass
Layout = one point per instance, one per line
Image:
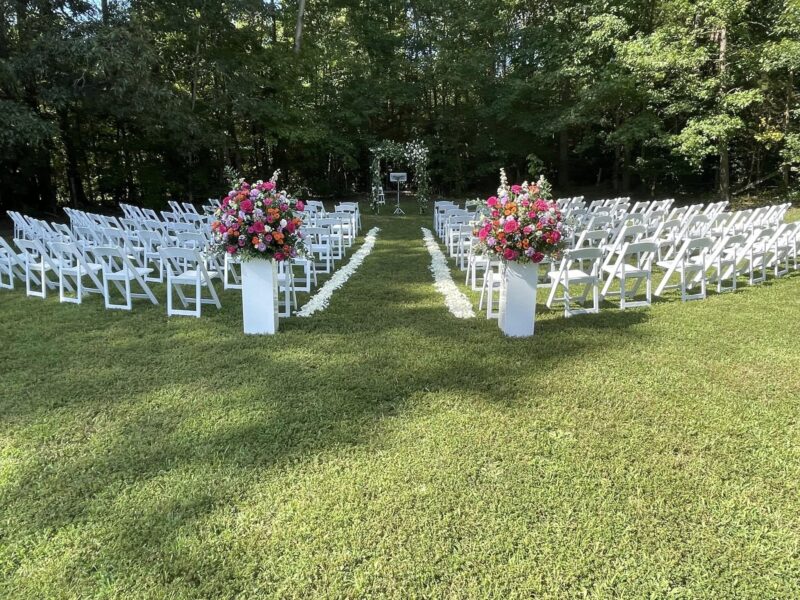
(383, 448)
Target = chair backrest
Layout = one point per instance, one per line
(599, 221)
(317, 235)
(151, 240)
(111, 258)
(179, 260)
(8, 254)
(581, 255)
(629, 233)
(698, 246)
(696, 225)
(641, 252)
(592, 238)
(188, 239)
(34, 251)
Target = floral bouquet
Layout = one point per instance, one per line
(520, 225)
(257, 221)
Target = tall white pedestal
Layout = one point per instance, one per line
(518, 299)
(260, 296)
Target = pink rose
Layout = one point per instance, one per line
(516, 189)
(258, 227)
(290, 227)
(268, 185)
(527, 230)
(492, 201)
(510, 254)
(279, 256)
(510, 226)
(555, 236)
(246, 206)
(299, 205)
(537, 257)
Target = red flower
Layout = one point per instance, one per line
(537, 257)
(510, 254)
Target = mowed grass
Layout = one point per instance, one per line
(383, 448)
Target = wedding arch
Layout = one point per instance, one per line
(415, 154)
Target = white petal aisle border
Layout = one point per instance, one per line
(319, 301)
(457, 303)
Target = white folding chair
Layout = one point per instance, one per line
(492, 283)
(231, 272)
(12, 264)
(691, 264)
(579, 267)
(186, 267)
(38, 264)
(723, 261)
(151, 242)
(320, 247)
(784, 247)
(634, 263)
(73, 267)
(118, 269)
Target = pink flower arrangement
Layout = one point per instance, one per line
(257, 221)
(519, 225)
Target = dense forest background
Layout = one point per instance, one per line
(144, 100)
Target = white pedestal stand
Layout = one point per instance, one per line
(518, 299)
(260, 296)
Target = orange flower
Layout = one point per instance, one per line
(256, 241)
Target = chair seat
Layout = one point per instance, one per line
(574, 276)
(191, 276)
(627, 270)
(124, 274)
(679, 265)
(80, 271)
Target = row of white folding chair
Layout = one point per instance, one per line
(439, 209)
(354, 209)
(452, 220)
(105, 266)
(698, 262)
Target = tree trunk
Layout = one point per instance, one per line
(563, 159)
(104, 11)
(626, 168)
(785, 168)
(44, 182)
(77, 195)
(274, 14)
(724, 158)
(298, 31)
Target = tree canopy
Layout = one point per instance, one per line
(142, 100)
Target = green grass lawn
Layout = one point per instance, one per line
(383, 448)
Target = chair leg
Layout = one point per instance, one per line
(169, 295)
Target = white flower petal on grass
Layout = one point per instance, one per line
(319, 301)
(457, 303)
